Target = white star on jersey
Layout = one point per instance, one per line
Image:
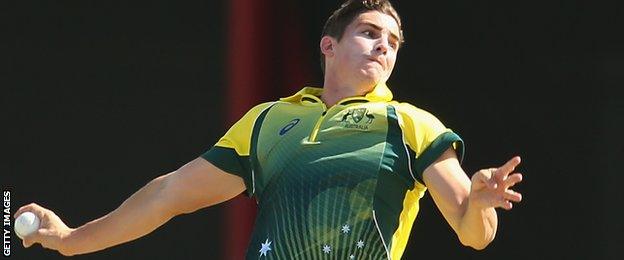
(266, 247)
(360, 244)
(326, 249)
(345, 229)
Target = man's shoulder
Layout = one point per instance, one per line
(252, 114)
(272, 109)
(411, 111)
(259, 108)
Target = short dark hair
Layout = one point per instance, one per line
(337, 23)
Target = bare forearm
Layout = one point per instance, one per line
(139, 215)
(478, 226)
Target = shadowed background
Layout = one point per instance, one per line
(98, 98)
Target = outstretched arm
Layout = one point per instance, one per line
(195, 185)
(468, 205)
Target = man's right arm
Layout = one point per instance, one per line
(195, 185)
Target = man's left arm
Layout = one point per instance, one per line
(468, 205)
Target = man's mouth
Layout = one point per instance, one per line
(376, 60)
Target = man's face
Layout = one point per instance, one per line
(367, 51)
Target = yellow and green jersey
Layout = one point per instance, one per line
(333, 183)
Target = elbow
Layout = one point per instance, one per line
(67, 252)
(477, 236)
(477, 244)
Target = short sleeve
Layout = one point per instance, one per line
(426, 137)
(231, 152)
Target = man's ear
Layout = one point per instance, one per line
(327, 46)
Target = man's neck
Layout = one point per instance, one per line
(333, 92)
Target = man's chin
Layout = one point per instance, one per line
(367, 84)
(372, 75)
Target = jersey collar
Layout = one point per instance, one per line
(381, 93)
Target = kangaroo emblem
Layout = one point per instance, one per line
(357, 115)
(344, 118)
(370, 117)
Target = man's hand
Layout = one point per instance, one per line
(491, 187)
(51, 231)
(468, 205)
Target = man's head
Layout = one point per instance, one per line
(368, 29)
(337, 23)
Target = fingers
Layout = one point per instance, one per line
(491, 178)
(510, 165)
(40, 212)
(490, 187)
(31, 239)
(493, 181)
(32, 207)
(51, 228)
(511, 195)
(27, 242)
(46, 237)
(483, 178)
(43, 236)
(502, 172)
(493, 191)
(507, 205)
(505, 200)
(512, 180)
(508, 195)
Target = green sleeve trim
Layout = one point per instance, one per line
(254, 163)
(229, 161)
(436, 148)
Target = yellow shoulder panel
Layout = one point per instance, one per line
(420, 127)
(239, 135)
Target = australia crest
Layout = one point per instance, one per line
(357, 118)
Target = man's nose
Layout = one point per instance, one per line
(382, 46)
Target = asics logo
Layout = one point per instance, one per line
(289, 126)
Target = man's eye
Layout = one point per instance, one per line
(370, 33)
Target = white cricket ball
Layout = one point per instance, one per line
(25, 224)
